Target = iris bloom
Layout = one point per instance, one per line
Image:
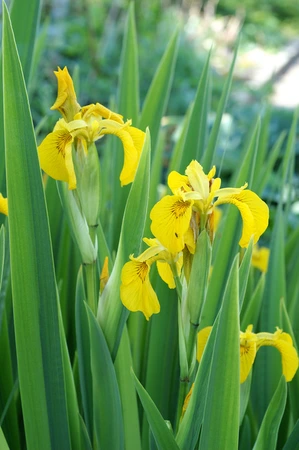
(79, 128)
(260, 258)
(136, 291)
(3, 205)
(251, 342)
(193, 203)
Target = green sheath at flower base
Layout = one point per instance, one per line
(78, 129)
(192, 206)
(88, 183)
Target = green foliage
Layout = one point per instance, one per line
(80, 370)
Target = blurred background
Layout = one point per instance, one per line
(86, 36)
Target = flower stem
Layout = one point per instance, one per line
(91, 285)
(91, 278)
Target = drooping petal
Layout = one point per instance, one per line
(55, 156)
(170, 221)
(132, 140)
(283, 342)
(202, 338)
(260, 258)
(254, 212)
(166, 274)
(248, 349)
(3, 205)
(66, 101)
(136, 291)
(138, 137)
(177, 181)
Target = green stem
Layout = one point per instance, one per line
(181, 398)
(91, 285)
(191, 342)
(91, 278)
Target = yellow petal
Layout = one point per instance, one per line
(136, 291)
(177, 181)
(166, 274)
(55, 156)
(202, 338)
(260, 258)
(104, 276)
(66, 101)
(132, 140)
(212, 172)
(187, 400)
(254, 212)
(198, 179)
(3, 205)
(189, 240)
(99, 111)
(283, 342)
(247, 357)
(170, 221)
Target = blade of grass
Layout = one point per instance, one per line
(226, 245)
(111, 313)
(107, 413)
(156, 101)
(128, 106)
(163, 436)
(268, 365)
(123, 364)
(222, 405)
(208, 156)
(268, 432)
(195, 136)
(33, 282)
(3, 442)
(83, 350)
(293, 440)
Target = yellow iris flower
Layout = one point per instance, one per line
(250, 343)
(192, 206)
(260, 258)
(80, 127)
(136, 291)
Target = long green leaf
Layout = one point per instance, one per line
(190, 424)
(123, 364)
(268, 432)
(293, 440)
(244, 272)
(157, 97)
(33, 281)
(128, 95)
(107, 414)
(163, 436)
(226, 245)
(128, 106)
(25, 30)
(83, 351)
(208, 156)
(3, 443)
(111, 313)
(195, 136)
(268, 364)
(222, 403)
